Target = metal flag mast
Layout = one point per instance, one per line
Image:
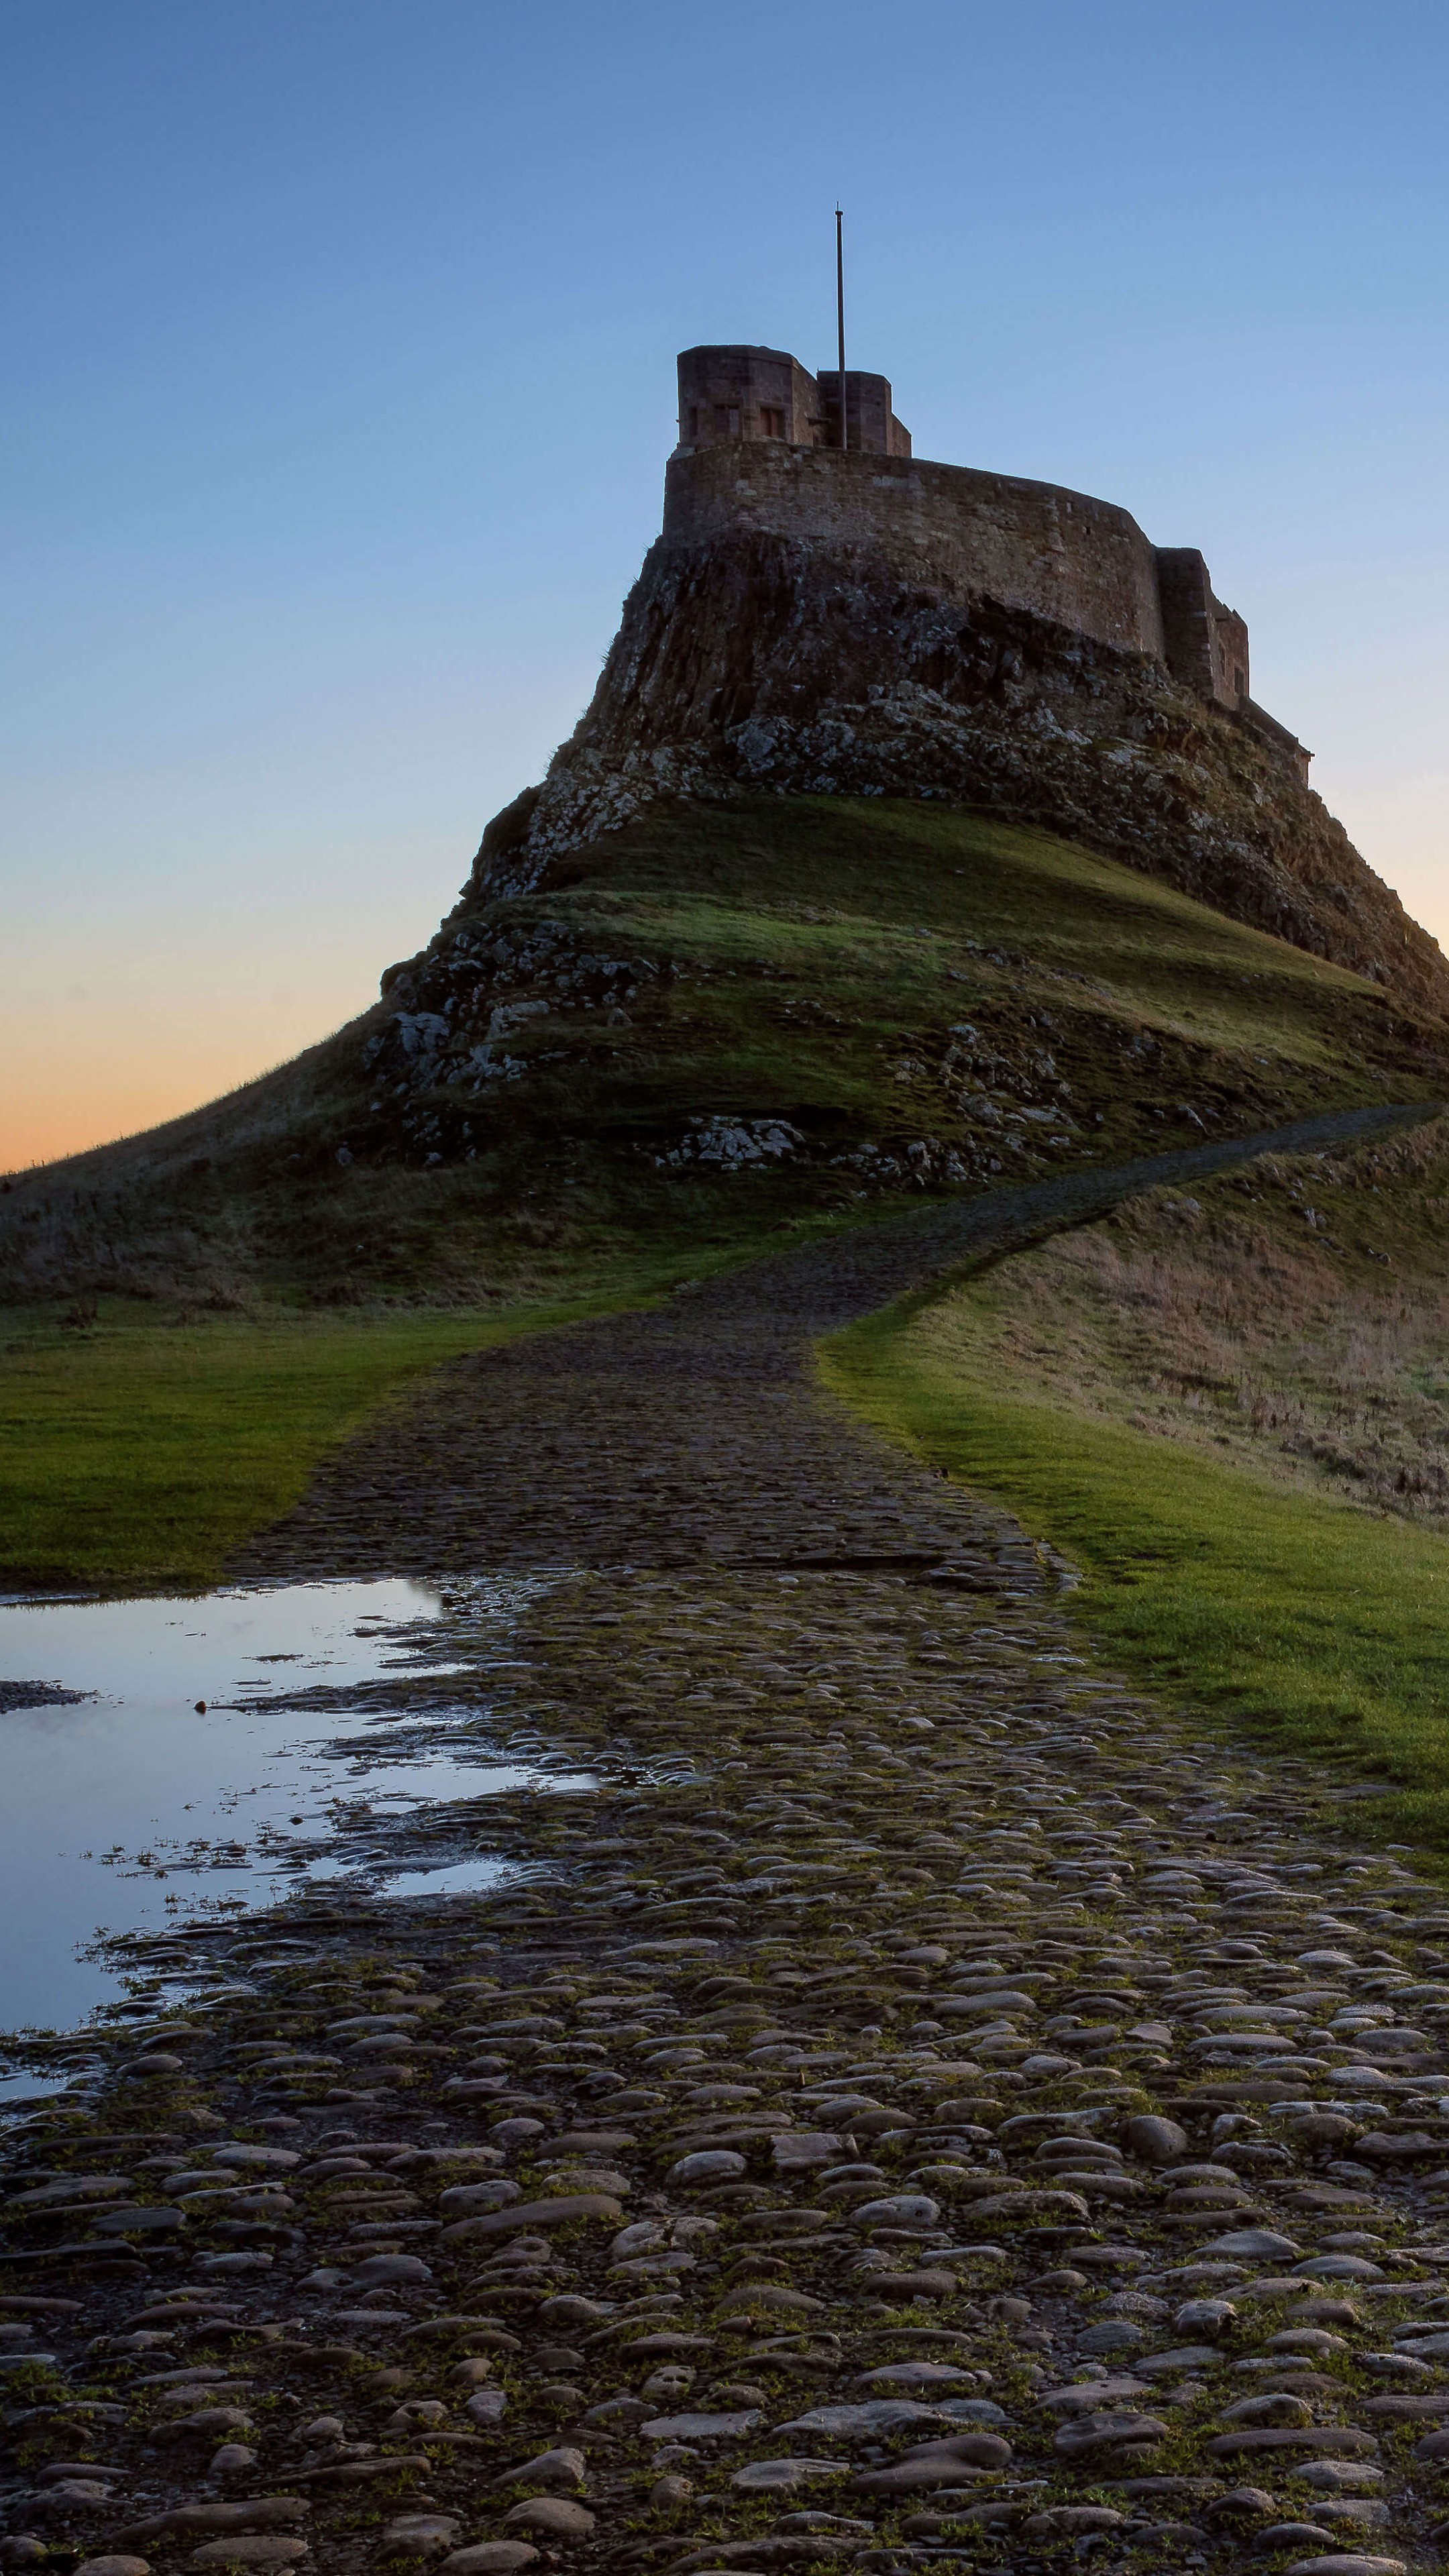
(840, 321)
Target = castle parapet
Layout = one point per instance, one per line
(1082, 563)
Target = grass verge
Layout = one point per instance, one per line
(138, 1455)
(1294, 1618)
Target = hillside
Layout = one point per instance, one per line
(717, 1021)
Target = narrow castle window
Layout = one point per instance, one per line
(726, 421)
(772, 423)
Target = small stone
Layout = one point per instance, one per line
(777, 2477)
(490, 2558)
(380, 2269)
(231, 2460)
(1114, 2334)
(1210, 2317)
(1155, 2140)
(553, 2517)
(1066, 2521)
(1253, 2244)
(669, 2491)
(105, 2566)
(420, 2536)
(942, 2375)
(250, 2549)
(902, 2287)
(561, 2468)
(1335, 2477)
(526, 2214)
(902, 2209)
(715, 2164)
(1277, 2408)
(798, 2150)
(772, 2294)
(702, 2428)
(1112, 2430)
(1348, 2563)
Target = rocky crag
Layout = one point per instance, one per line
(920, 2109)
(755, 661)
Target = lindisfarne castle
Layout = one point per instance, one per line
(760, 448)
(824, 613)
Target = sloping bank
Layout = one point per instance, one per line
(1293, 1617)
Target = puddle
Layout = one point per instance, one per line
(135, 1809)
(463, 1879)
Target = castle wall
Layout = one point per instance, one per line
(1083, 563)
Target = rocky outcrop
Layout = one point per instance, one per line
(759, 662)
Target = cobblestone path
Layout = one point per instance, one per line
(923, 2107)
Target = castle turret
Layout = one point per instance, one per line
(732, 394)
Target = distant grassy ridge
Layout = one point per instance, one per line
(1299, 1620)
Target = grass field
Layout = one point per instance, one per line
(135, 1455)
(139, 1449)
(1292, 1618)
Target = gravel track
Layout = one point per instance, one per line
(922, 2108)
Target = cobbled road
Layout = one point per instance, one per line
(921, 2106)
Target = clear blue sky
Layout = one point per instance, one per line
(338, 343)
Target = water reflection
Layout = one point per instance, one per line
(181, 1787)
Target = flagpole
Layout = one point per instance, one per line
(840, 321)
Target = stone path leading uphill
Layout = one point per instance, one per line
(922, 2109)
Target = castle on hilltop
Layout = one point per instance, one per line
(761, 450)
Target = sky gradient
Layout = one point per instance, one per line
(338, 367)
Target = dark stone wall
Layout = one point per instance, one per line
(1078, 562)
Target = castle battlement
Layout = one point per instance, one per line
(760, 450)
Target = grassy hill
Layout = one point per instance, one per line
(717, 1023)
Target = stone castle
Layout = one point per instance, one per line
(824, 614)
(760, 450)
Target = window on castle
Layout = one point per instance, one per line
(726, 421)
(772, 423)
(693, 422)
